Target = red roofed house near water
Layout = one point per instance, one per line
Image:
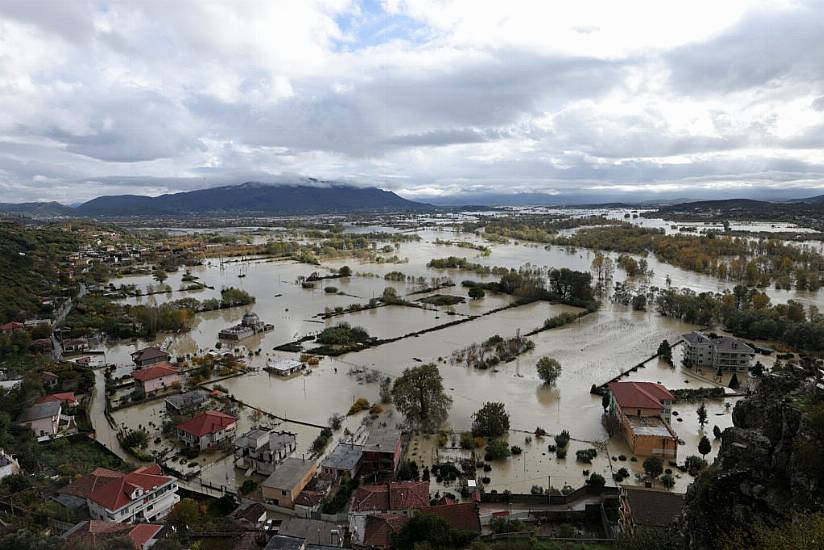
(139, 496)
(156, 377)
(149, 356)
(206, 430)
(644, 411)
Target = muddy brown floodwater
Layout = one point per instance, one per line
(591, 350)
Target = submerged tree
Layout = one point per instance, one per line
(549, 369)
(702, 415)
(491, 420)
(704, 446)
(419, 395)
(665, 351)
(653, 467)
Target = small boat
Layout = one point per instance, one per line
(242, 275)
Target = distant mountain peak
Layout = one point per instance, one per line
(254, 198)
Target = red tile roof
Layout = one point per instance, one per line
(207, 423)
(11, 326)
(117, 492)
(400, 495)
(379, 529)
(63, 397)
(85, 485)
(640, 395)
(96, 532)
(48, 375)
(153, 372)
(459, 516)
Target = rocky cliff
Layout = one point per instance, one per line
(770, 468)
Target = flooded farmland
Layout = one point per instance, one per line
(591, 350)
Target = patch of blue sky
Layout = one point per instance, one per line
(370, 25)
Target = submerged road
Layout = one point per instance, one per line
(103, 431)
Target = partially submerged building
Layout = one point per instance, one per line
(643, 411)
(150, 356)
(186, 402)
(249, 326)
(156, 377)
(343, 461)
(262, 450)
(283, 486)
(722, 353)
(382, 452)
(207, 430)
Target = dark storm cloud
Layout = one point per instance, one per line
(766, 48)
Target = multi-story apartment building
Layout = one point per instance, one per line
(722, 353)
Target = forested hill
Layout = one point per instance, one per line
(253, 198)
(32, 263)
(807, 212)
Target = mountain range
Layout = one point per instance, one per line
(319, 197)
(246, 199)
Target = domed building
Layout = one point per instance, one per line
(249, 326)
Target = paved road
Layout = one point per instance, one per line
(103, 432)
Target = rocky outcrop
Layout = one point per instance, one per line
(770, 466)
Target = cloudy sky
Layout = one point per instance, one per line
(425, 97)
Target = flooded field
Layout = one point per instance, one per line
(591, 350)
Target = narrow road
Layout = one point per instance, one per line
(57, 347)
(103, 432)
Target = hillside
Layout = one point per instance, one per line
(253, 198)
(807, 212)
(31, 263)
(35, 210)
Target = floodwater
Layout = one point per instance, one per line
(591, 350)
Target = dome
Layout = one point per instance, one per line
(250, 319)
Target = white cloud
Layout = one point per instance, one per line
(422, 96)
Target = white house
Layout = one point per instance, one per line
(143, 495)
(262, 450)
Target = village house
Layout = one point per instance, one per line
(643, 411)
(314, 533)
(41, 345)
(150, 356)
(143, 495)
(249, 515)
(642, 507)
(13, 326)
(156, 377)
(283, 486)
(42, 418)
(67, 399)
(207, 430)
(49, 379)
(343, 461)
(723, 353)
(371, 506)
(75, 345)
(94, 533)
(188, 402)
(382, 452)
(262, 450)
